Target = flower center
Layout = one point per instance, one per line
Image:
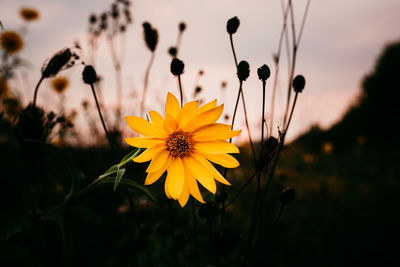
(179, 144)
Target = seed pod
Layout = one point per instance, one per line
(298, 83)
(177, 66)
(263, 73)
(89, 75)
(56, 63)
(182, 26)
(150, 36)
(243, 70)
(172, 51)
(232, 25)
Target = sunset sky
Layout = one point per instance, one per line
(341, 41)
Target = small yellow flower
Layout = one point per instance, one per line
(29, 14)
(11, 42)
(4, 88)
(59, 84)
(183, 144)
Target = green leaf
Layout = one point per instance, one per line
(118, 179)
(113, 169)
(130, 156)
(67, 160)
(130, 185)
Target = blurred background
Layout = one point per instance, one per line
(340, 156)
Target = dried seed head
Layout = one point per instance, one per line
(177, 66)
(172, 51)
(150, 36)
(56, 63)
(197, 90)
(182, 26)
(92, 19)
(243, 70)
(89, 75)
(232, 25)
(263, 73)
(287, 195)
(298, 83)
(201, 72)
(269, 149)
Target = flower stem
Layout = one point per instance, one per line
(101, 116)
(180, 89)
(36, 90)
(233, 49)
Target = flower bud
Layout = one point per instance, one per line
(89, 75)
(177, 66)
(243, 70)
(232, 25)
(172, 51)
(287, 195)
(263, 73)
(298, 83)
(182, 26)
(150, 36)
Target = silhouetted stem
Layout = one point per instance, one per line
(233, 50)
(248, 128)
(36, 91)
(101, 116)
(291, 112)
(180, 89)
(146, 82)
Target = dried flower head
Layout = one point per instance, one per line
(59, 61)
(183, 144)
(172, 51)
(29, 14)
(243, 70)
(4, 88)
(263, 73)
(232, 25)
(11, 42)
(59, 84)
(89, 75)
(298, 83)
(197, 90)
(92, 19)
(150, 36)
(177, 66)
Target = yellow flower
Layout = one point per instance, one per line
(59, 84)
(11, 42)
(183, 144)
(4, 88)
(29, 14)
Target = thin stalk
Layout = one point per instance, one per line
(233, 50)
(101, 116)
(36, 91)
(291, 112)
(263, 114)
(146, 82)
(180, 89)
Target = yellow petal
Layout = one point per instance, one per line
(154, 176)
(187, 113)
(143, 142)
(183, 198)
(175, 178)
(208, 106)
(156, 119)
(207, 117)
(158, 161)
(214, 131)
(210, 167)
(172, 105)
(170, 124)
(149, 153)
(203, 175)
(216, 147)
(166, 190)
(192, 185)
(143, 127)
(224, 160)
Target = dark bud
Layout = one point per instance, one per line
(103, 25)
(263, 73)
(122, 28)
(172, 51)
(232, 25)
(150, 36)
(177, 66)
(182, 26)
(224, 84)
(226, 117)
(197, 90)
(287, 195)
(56, 63)
(201, 72)
(298, 83)
(89, 75)
(103, 17)
(92, 19)
(243, 70)
(208, 210)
